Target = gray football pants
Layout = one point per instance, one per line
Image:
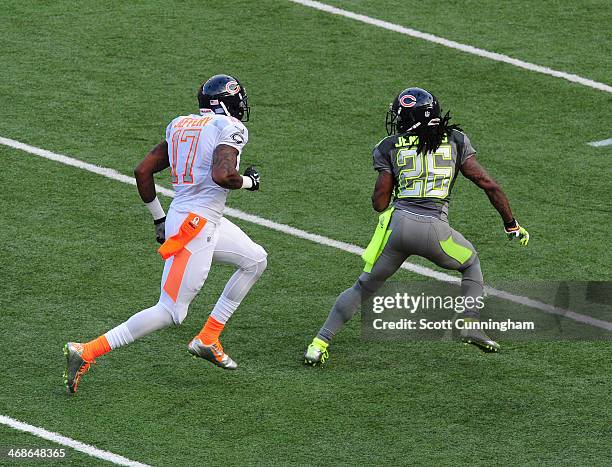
(410, 235)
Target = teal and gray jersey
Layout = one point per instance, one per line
(423, 182)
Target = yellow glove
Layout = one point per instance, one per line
(514, 230)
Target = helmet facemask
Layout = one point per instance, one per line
(243, 110)
(391, 120)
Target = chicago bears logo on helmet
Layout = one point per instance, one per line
(232, 87)
(407, 100)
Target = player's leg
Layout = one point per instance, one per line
(367, 284)
(451, 250)
(183, 276)
(236, 248)
(348, 302)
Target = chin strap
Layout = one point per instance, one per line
(224, 109)
(413, 127)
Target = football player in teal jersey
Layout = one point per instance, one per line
(417, 166)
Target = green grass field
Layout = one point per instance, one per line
(99, 82)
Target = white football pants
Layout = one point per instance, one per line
(185, 273)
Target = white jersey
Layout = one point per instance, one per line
(192, 140)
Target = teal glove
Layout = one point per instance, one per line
(514, 230)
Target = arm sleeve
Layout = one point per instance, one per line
(234, 134)
(381, 160)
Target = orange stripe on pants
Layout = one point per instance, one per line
(176, 273)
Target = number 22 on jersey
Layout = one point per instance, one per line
(423, 177)
(183, 154)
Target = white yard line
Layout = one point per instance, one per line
(454, 45)
(68, 442)
(321, 240)
(603, 142)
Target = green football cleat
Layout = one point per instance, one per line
(316, 353)
(479, 338)
(76, 366)
(213, 353)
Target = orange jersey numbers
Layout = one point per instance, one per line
(183, 154)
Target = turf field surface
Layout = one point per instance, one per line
(100, 83)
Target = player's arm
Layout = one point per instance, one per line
(383, 190)
(225, 174)
(155, 161)
(472, 170)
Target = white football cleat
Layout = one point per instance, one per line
(213, 353)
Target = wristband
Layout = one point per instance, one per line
(155, 208)
(247, 182)
(511, 225)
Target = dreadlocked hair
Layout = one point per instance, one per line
(430, 137)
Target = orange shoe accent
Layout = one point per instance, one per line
(94, 349)
(84, 369)
(176, 273)
(211, 331)
(189, 229)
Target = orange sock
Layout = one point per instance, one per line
(95, 348)
(211, 331)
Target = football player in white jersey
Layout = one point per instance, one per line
(203, 153)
